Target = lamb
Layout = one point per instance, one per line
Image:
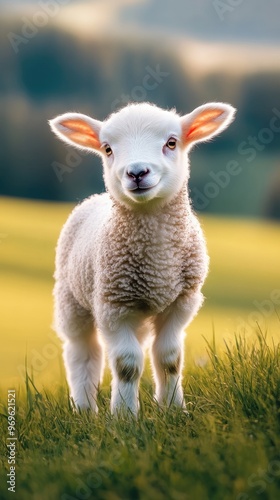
(131, 262)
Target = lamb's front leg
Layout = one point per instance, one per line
(168, 349)
(126, 361)
(82, 351)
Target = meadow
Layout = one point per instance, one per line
(228, 446)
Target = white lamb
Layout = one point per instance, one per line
(131, 263)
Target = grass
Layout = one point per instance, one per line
(229, 446)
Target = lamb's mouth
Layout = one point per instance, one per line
(141, 190)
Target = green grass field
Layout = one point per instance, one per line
(229, 446)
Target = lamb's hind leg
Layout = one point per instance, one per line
(168, 349)
(82, 352)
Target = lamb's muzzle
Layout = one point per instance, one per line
(137, 171)
(131, 263)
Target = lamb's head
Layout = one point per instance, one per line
(144, 147)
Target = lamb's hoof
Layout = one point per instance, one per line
(83, 409)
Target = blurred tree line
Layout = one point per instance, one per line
(57, 72)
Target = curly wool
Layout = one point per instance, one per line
(116, 260)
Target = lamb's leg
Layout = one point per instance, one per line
(168, 349)
(126, 361)
(82, 352)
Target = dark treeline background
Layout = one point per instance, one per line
(58, 71)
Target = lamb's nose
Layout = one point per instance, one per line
(137, 171)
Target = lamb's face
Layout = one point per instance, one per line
(143, 154)
(144, 148)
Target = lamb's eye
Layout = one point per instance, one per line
(108, 150)
(171, 143)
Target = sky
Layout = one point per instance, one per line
(240, 36)
(248, 20)
(254, 21)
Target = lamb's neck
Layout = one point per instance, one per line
(171, 213)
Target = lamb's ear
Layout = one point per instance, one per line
(206, 121)
(78, 130)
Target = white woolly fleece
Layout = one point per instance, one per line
(130, 263)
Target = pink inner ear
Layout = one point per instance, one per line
(201, 131)
(80, 132)
(85, 140)
(203, 125)
(209, 114)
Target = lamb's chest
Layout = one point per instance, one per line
(145, 273)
